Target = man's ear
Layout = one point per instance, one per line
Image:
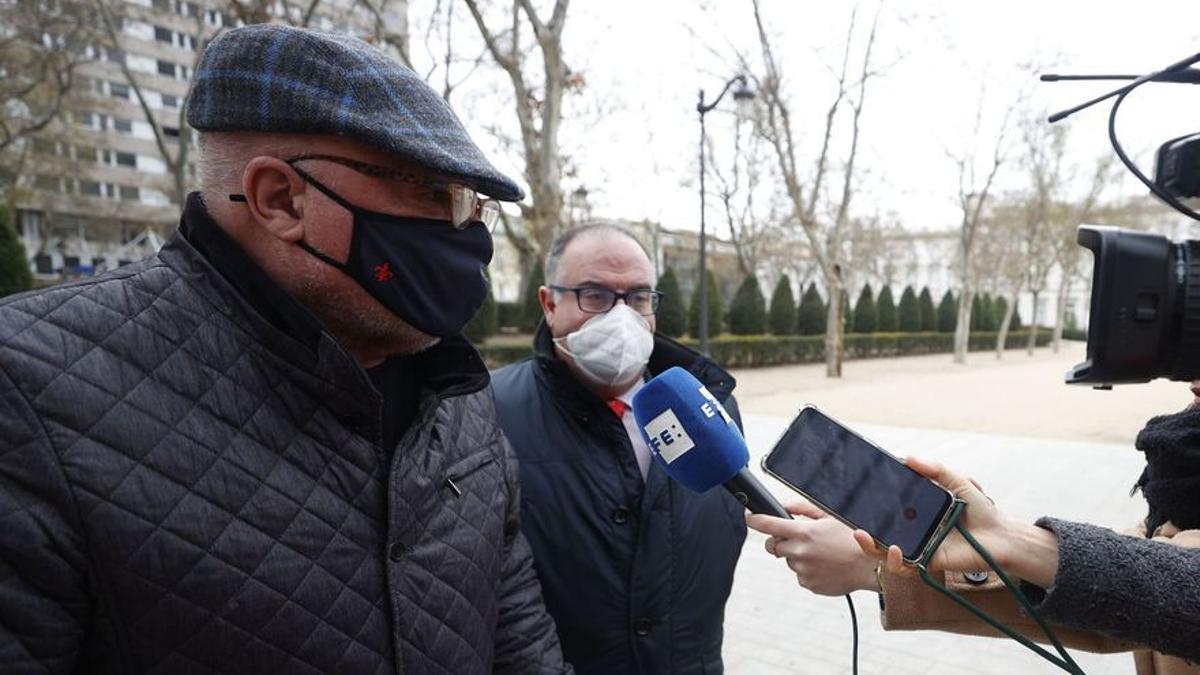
(275, 195)
(546, 300)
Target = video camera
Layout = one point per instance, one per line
(1145, 305)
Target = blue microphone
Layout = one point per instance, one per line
(696, 442)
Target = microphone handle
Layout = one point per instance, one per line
(754, 495)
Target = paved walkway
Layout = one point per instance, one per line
(1018, 396)
(775, 626)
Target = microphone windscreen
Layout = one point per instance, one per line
(688, 430)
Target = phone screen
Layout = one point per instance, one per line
(862, 484)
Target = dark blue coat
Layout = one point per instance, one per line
(635, 573)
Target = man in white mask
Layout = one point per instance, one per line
(634, 568)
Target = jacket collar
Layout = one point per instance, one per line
(255, 287)
(227, 276)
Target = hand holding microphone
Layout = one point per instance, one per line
(698, 444)
(819, 549)
(696, 441)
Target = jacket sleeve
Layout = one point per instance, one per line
(1127, 587)
(526, 637)
(43, 601)
(908, 604)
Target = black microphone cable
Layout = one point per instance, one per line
(854, 626)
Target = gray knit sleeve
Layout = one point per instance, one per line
(1125, 587)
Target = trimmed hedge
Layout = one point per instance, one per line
(866, 316)
(947, 313)
(909, 312)
(485, 322)
(811, 314)
(672, 312)
(929, 315)
(15, 276)
(499, 355)
(781, 318)
(748, 311)
(508, 315)
(531, 306)
(716, 309)
(885, 311)
(748, 351)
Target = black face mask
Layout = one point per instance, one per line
(423, 270)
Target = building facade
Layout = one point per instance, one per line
(96, 190)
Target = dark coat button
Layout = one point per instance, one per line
(642, 626)
(620, 515)
(396, 551)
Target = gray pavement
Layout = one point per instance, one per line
(774, 626)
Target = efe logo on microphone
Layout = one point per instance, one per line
(713, 403)
(667, 436)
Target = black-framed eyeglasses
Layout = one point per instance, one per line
(598, 300)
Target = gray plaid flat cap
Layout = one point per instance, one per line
(281, 79)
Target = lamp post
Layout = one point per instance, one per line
(578, 205)
(744, 96)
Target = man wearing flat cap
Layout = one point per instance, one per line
(267, 448)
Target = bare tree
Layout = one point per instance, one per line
(1068, 254)
(1003, 245)
(263, 11)
(1045, 146)
(390, 25)
(442, 18)
(539, 108)
(878, 250)
(782, 249)
(976, 178)
(740, 192)
(41, 45)
(824, 220)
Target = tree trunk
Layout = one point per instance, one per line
(528, 262)
(1010, 308)
(1033, 325)
(1063, 289)
(962, 329)
(834, 333)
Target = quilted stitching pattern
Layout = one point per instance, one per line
(192, 504)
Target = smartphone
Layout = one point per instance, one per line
(859, 483)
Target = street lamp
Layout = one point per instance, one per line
(578, 202)
(744, 96)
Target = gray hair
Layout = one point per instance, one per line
(563, 240)
(223, 156)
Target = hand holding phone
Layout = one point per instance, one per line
(1024, 549)
(859, 483)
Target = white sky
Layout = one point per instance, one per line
(633, 134)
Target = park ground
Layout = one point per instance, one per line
(1038, 446)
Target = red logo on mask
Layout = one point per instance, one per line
(383, 272)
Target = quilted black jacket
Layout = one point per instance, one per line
(635, 574)
(185, 489)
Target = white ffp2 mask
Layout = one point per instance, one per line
(612, 348)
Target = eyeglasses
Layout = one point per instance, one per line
(466, 207)
(598, 300)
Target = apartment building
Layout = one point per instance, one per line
(96, 190)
